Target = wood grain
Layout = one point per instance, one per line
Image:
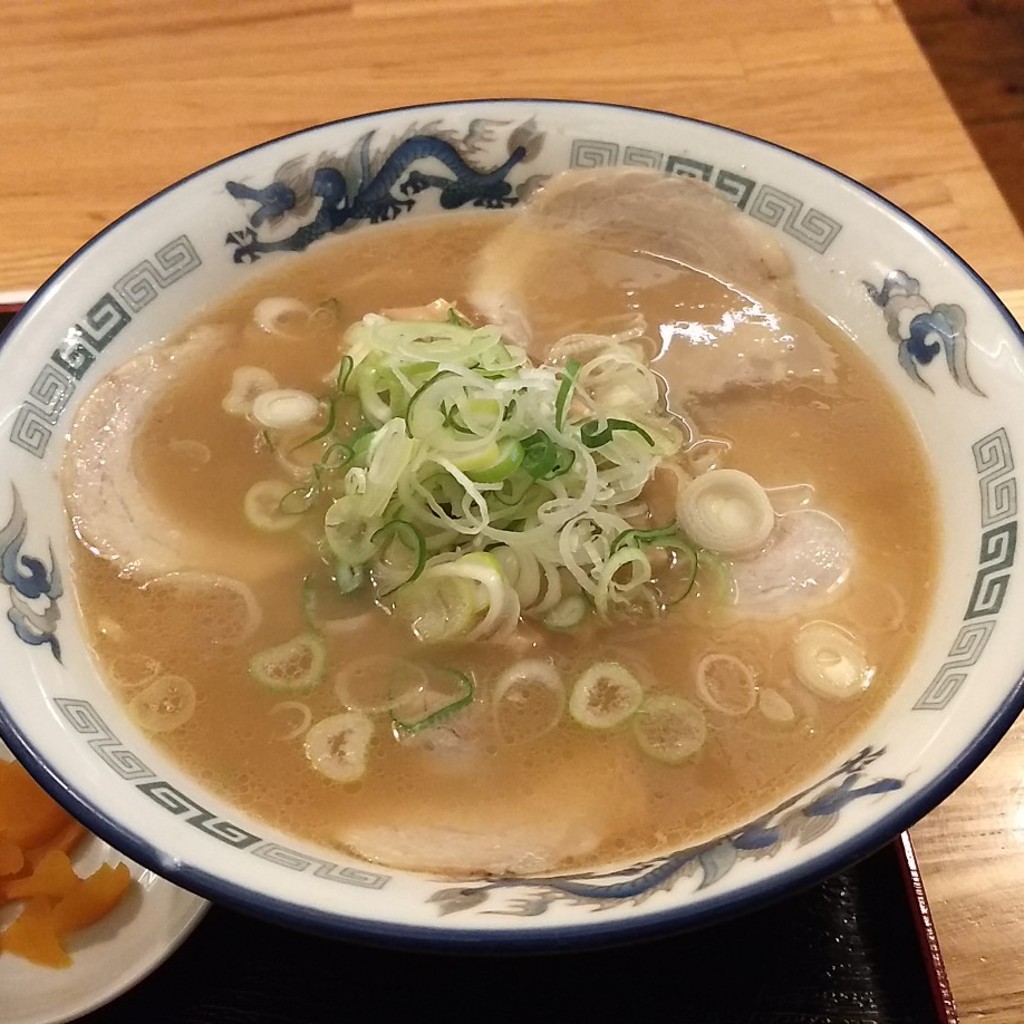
(977, 52)
(102, 106)
(103, 102)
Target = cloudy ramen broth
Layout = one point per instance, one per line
(503, 786)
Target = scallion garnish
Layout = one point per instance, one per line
(456, 318)
(447, 692)
(328, 428)
(565, 389)
(596, 434)
(462, 444)
(403, 534)
(293, 667)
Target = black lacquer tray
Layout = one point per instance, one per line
(857, 948)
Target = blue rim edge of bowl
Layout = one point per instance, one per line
(647, 925)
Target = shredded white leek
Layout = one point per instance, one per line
(477, 448)
(513, 487)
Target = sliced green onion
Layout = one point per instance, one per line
(263, 506)
(528, 701)
(164, 705)
(300, 715)
(325, 598)
(508, 457)
(726, 510)
(623, 578)
(467, 441)
(605, 695)
(568, 613)
(336, 457)
(726, 684)
(565, 459)
(348, 578)
(378, 682)
(540, 454)
(391, 450)
(714, 577)
(449, 692)
(338, 746)
(284, 408)
(345, 368)
(299, 499)
(370, 384)
(565, 389)
(641, 537)
(677, 580)
(293, 667)
(424, 416)
(332, 417)
(446, 602)
(438, 609)
(596, 434)
(830, 662)
(408, 536)
(359, 441)
(349, 531)
(669, 729)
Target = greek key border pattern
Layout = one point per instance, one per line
(993, 459)
(762, 201)
(285, 857)
(141, 285)
(85, 720)
(98, 326)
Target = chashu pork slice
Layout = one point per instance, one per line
(110, 509)
(571, 811)
(804, 565)
(591, 246)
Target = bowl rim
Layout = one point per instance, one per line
(645, 924)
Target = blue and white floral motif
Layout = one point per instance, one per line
(921, 331)
(34, 589)
(803, 819)
(359, 186)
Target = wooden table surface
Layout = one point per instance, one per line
(103, 102)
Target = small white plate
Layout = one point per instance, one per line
(109, 957)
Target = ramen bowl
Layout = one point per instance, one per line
(937, 335)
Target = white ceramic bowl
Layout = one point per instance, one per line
(938, 335)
